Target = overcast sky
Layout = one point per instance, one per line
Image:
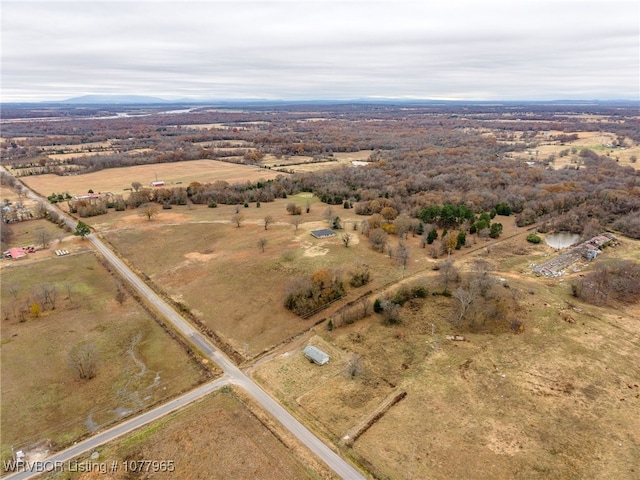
(489, 50)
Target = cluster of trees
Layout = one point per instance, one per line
(238, 193)
(41, 297)
(390, 308)
(616, 281)
(305, 296)
(433, 163)
(58, 197)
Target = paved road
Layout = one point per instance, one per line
(232, 375)
(236, 376)
(60, 460)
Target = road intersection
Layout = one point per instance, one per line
(232, 375)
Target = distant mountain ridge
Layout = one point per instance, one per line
(114, 99)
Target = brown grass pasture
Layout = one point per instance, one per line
(204, 261)
(220, 437)
(559, 400)
(115, 180)
(595, 141)
(301, 163)
(138, 363)
(32, 232)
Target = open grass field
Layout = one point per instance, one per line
(559, 400)
(34, 232)
(137, 363)
(204, 261)
(115, 180)
(220, 437)
(595, 141)
(67, 156)
(301, 163)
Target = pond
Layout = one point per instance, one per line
(562, 239)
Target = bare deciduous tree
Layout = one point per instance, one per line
(296, 222)
(390, 312)
(136, 186)
(43, 237)
(346, 239)
(402, 255)
(355, 366)
(329, 215)
(448, 273)
(83, 359)
(262, 243)
(47, 295)
(465, 297)
(378, 239)
(403, 225)
(267, 221)
(149, 210)
(238, 218)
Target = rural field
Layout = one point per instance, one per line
(222, 436)
(559, 400)
(116, 180)
(594, 141)
(136, 363)
(454, 361)
(302, 164)
(221, 273)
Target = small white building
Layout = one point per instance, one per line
(158, 183)
(316, 355)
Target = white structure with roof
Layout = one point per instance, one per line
(316, 355)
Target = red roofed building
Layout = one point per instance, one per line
(17, 253)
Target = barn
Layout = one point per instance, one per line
(323, 233)
(17, 253)
(316, 355)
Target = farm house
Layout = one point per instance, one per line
(316, 355)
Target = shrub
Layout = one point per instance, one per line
(419, 291)
(360, 276)
(377, 306)
(533, 238)
(402, 296)
(294, 209)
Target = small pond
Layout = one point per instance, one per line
(562, 239)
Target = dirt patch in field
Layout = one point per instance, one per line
(201, 256)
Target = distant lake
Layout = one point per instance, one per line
(562, 239)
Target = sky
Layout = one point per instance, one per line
(325, 50)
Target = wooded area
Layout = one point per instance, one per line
(421, 157)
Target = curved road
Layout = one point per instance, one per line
(232, 374)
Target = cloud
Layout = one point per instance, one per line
(523, 49)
